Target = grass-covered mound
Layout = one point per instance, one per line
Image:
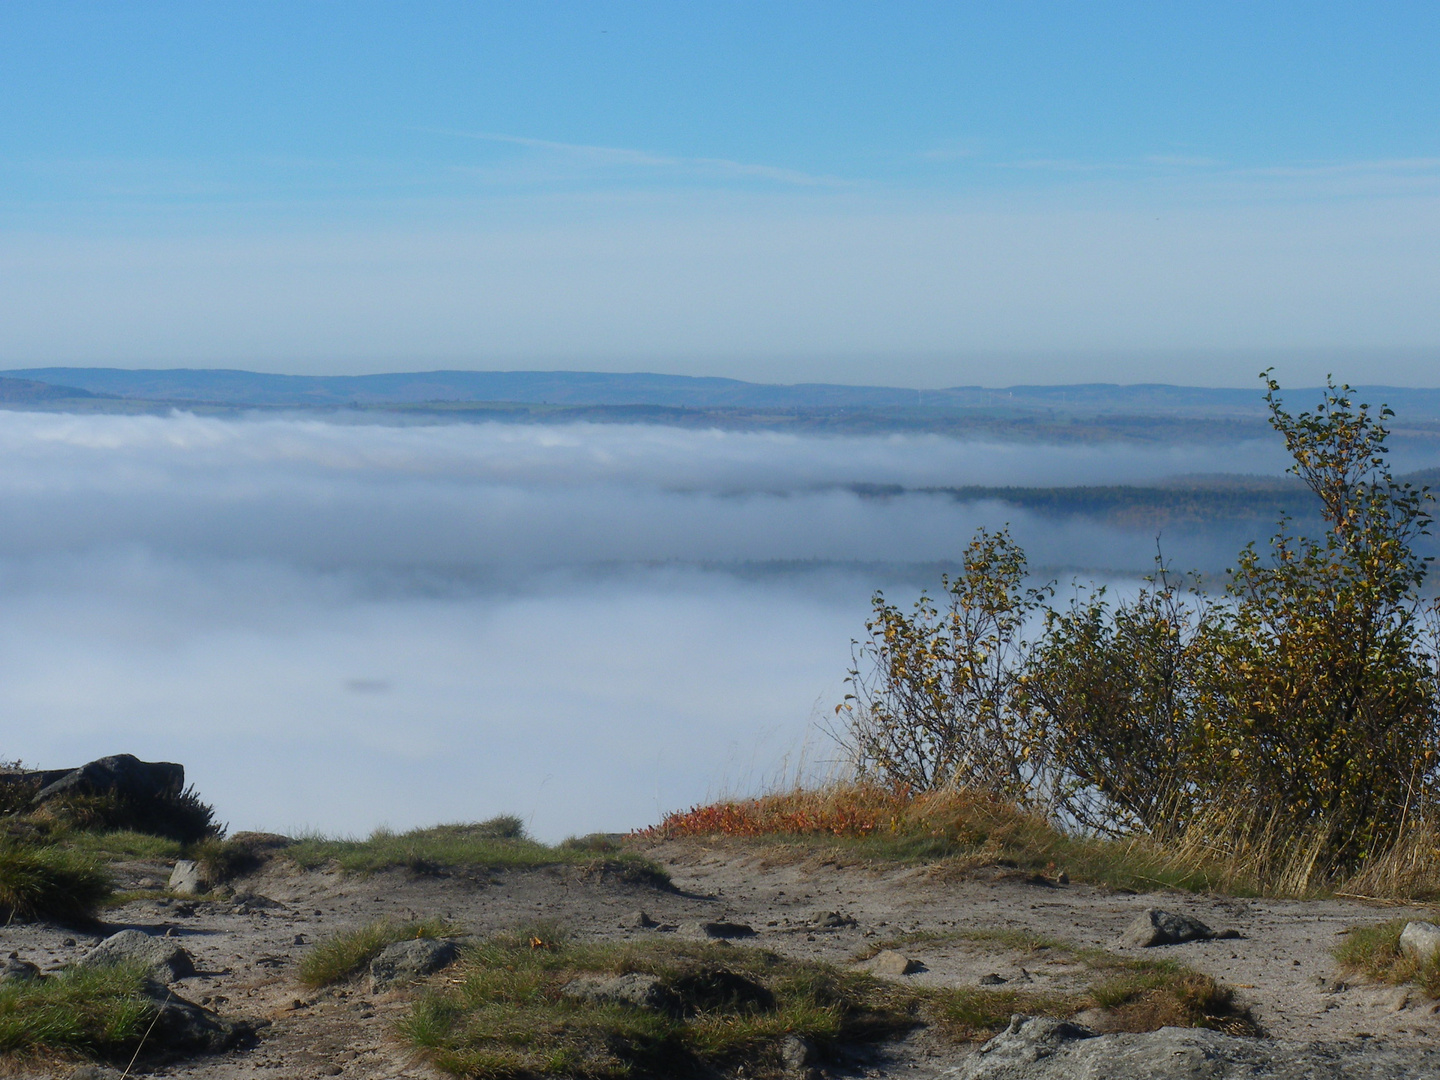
(49, 882)
(871, 822)
(1374, 951)
(509, 1016)
(499, 843)
(513, 1010)
(99, 1012)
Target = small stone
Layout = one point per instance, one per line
(993, 980)
(330, 1070)
(722, 930)
(1155, 927)
(1420, 940)
(1399, 1001)
(15, 970)
(68, 943)
(299, 939)
(187, 879)
(890, 962)
(831, 920)
(638, 920)
(797, 1053)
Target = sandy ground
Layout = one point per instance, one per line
(246, 952)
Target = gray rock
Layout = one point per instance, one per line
(184, 1027)
(122, 774)
(1156, 927)
(164, 960)
(633, 989)
(890, 962)
(95, 1072)
(721, 930)
(15, 970)
(410, 961)
(638, 920)
(1420, 940)
(1044, 1049)
(187, 878)
(993, 980)
(831, 920)
(797, 1053)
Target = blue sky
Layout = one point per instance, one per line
(907, 193)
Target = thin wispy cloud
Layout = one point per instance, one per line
(613, 157)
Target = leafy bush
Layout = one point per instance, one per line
(934, 693)
(1306, 695)
(39, 882)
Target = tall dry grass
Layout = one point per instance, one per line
(1239, 854)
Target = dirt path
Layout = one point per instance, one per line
(246, 952)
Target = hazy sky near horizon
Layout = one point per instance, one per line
(908, 193)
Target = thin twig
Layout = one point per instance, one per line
(169, 993)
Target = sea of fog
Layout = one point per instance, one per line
(336, 626)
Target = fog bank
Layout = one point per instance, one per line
(339, 626)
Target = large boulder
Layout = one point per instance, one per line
(410, 961)
(1420, 940)
(1045, 1049)
(187, 1028)
(122, 774)
(162, 958)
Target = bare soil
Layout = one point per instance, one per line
(247, 951)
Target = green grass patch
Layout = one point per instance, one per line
(1138, 994)
(342, 955)
(1374, 951)
(508, 1018)
(119, 845)
(52, 883)
(498, 844)
(101, 1012)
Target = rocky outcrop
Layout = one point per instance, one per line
(183, 1027)
(120, 774)
(1044, 1049)
(1155, 927)
(635, 989)
(163, 959)
(410, 961)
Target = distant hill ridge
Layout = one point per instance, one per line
(234, 387)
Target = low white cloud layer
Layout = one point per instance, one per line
(338, 626)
